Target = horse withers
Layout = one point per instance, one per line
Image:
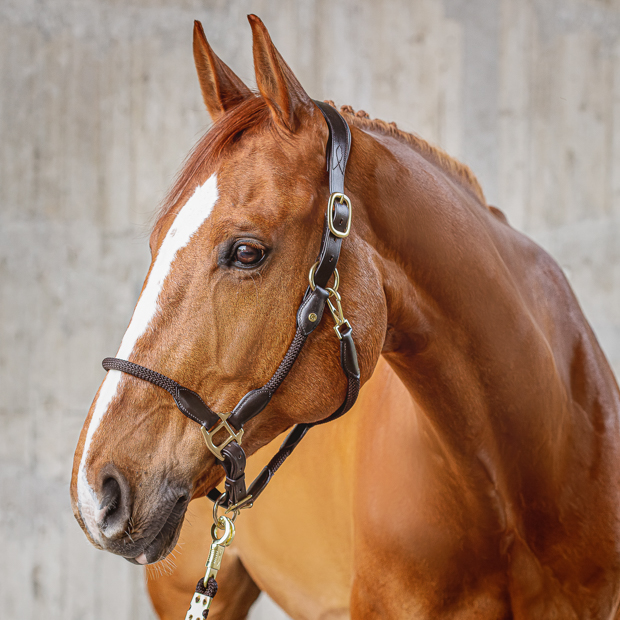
(493, 494)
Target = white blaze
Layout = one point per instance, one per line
(193, 214)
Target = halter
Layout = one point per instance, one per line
(337, 227)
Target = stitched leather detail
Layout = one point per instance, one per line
(348, 354)
(313, 304)
(234, 466)
(249, 406)
(194, 407)
(338, 147)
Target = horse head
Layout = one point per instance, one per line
(231, 251)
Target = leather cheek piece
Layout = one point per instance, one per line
(330, 252)
(314, 305)
(338, 146)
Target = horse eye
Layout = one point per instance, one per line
(248, 254)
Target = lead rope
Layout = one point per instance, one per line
(207, 586)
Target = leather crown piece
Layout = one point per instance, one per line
(309, 314)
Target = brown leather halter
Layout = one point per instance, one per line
(318, 294)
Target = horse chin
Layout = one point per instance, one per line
(164, 539)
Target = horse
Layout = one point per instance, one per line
(493, 495)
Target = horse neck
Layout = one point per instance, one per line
(477, 320)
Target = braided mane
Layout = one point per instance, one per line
(438, 156)
(254, 113)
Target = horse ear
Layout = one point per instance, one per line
(221, 89)
(287, 99)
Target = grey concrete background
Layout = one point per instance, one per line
(98, 106)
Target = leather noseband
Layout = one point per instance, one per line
(317, 296)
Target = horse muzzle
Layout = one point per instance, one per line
(142, 530)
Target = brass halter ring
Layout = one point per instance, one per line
(232, 512)
(217, 517)
(311, 278)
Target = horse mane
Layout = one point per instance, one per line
(433, 153)
(253, 114)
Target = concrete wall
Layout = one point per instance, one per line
(98, 106)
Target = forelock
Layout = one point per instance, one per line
(251, 115)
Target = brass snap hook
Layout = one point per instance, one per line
(227, 524)
(335, 308)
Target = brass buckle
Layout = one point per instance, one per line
(336, 311)
(232, 435)
(341, 198)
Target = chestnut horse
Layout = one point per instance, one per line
(492, 495)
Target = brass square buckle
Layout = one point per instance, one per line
(342, 199)
(232, 435)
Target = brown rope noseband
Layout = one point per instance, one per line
(318, 295)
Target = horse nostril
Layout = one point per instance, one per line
(115, 504)
(110, 497)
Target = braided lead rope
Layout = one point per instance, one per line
(201, 601)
